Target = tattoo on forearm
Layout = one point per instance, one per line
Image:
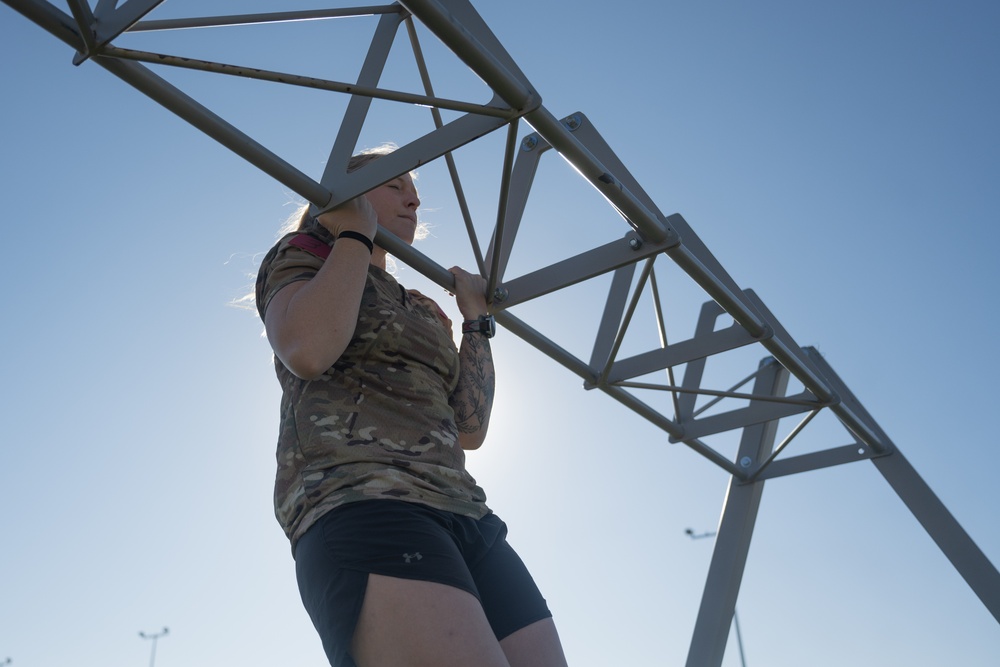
(473, 397)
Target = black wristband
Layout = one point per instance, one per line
(357, 236)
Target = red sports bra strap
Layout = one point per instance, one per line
(311, 244)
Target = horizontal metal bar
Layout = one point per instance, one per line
(740, 418)
(304, 81)
(577, 269)
(264, 17)
(680, 352)
(792, 400)
(814, 461)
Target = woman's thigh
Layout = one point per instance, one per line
(413, 623)
(392, 539)
(509, 595)
(536, 645)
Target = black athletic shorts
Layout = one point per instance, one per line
(400, 539)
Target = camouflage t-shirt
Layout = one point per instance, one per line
(377, 424)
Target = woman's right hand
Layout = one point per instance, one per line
(356, 215)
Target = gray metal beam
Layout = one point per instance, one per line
(586, 265)
(291, 79)
(956, 544)
(681, 352)
(940, 524)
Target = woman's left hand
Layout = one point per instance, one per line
(470, 293)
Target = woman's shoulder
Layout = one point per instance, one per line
(312, 238)
(296, 256)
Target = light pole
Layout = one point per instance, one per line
(690, 533)
(152, 655)
(736, 617)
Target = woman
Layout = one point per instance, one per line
(399, 561)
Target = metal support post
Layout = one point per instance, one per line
(732, 544)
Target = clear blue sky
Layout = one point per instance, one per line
(842, 159)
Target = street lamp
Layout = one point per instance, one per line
(690, 533)
(152, 656)
(736, 617)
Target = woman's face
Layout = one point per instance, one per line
(395, 204)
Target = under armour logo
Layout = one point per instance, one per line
(410, 557)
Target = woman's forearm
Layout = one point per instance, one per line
(472, 399)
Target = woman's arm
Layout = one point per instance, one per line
(472, 399)
(309, 323)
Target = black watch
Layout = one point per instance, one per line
(485, 325)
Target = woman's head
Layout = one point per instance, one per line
(395, 203)
(301, 218)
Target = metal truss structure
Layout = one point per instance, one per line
(649, 237)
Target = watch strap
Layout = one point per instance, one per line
(485, 325)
